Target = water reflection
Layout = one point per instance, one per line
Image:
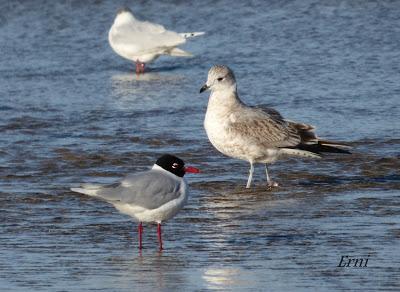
(165, 271)
(223, 278)
(144, 91)
(128, 83)
(148, 76)
(80, 120)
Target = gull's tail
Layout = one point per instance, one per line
(325, 147)
(318, 148)
(179, 53)
(188, 35)
(311, 143)
(315, 150)
(87, 189)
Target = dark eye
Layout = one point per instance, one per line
(220, 78)
(175, 165)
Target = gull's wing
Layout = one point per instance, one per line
(144, 37)
(149, 189)
(263, 126)
(266, 127)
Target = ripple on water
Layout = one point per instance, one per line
(70, 117)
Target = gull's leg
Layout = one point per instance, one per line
(140, 231)
(270, 183)
(137, 67)
(249, 180)
(159, 236)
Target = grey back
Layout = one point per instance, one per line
(150, 189)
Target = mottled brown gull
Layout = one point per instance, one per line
(258, 135)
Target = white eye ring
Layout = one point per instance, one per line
(175, 165)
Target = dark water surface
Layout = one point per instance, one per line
(72, 111)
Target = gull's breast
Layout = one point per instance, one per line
(218, 126)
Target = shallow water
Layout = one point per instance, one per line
(72, 111)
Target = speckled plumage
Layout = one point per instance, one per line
(258, 135)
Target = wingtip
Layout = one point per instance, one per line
(340, 147)
(188, 35)
(75, 190)
(179, 53)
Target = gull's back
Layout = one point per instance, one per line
(150, 190)
(130, 37)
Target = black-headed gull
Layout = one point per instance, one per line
(258, 135)
(155, 195)
(143, 41)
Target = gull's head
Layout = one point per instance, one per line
(220, 78)
(124, 15)
(175, 165)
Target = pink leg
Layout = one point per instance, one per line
(138, 65)
(140, 231)
(159, 236)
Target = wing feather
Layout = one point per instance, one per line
(264, 126)
(144, 36)
(147, 189)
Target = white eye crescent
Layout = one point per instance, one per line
(175, 165)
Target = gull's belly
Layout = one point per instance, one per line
(235, 145)
(132, 52)
(162, 213)
(146, 58)
(134, 55)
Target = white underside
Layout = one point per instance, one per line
(234, 146)
(163, 213)
(129, 52)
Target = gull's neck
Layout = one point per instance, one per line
(226, 98)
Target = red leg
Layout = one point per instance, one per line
(143, 66)
(159, 235)
(138, 65)
(140, 231)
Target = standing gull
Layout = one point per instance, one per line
(150, 196)
(143, 41)
(258, 135)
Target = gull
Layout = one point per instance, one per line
(155, 195)
(257, 135)
(143, 41)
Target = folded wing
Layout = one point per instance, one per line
(268, 128)
(144, 37)
(149, 190)
(265, 127)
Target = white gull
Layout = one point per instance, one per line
(143, 41)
